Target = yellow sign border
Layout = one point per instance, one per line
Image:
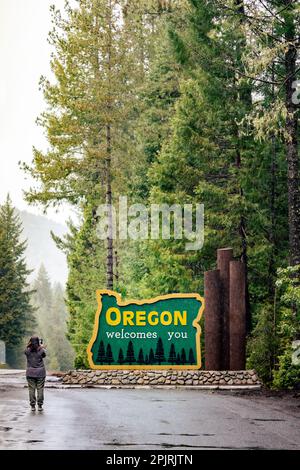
(121, 303)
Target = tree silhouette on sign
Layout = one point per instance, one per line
(141, 359)
(151, 357)
(146, 359)
(183, 356)
(178, 359)
(130, 353)
(109, 356)
(172, 355)
(191, 357)
(159, 353)
(121, 357)
(101, 357)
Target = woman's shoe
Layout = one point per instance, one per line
(40, 408)
(32, 408)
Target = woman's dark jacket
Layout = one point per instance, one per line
(35, 364)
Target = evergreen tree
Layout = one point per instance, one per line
(183, 356)
(101, 356)
(51, 316)
(58, 343)
(146, 359)
(151, 357)
(178, 362)
(130, 358)
(109, 355)
(141, 359)
(16, 312)
(172, 355)
(191, 357)
(159, 353)
(121, 357)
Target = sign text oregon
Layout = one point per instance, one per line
(158, 333)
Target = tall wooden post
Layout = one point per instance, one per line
(212, 320)
(237, 316)
(224, 256)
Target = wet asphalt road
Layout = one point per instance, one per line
(116, 419)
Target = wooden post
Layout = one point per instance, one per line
(224, 256)
(237, 316)
(212, 320)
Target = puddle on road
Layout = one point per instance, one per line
(184, 434)
(268, 419)
(33, 441)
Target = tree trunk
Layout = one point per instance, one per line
(292, 141)
(110, 253)
(244, 95)
(109, 256)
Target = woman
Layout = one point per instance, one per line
(35, 372)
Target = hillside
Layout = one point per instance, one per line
(41, 248)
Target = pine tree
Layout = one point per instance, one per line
(43, 303)
(159, 353)
(191, 357)
(178, 361)
(121, 357)
(151, 357)
(90, 107)
(183, 356)
(172, 355)
(130, 358)
(101, 356)
(141, 359)
(109, 355)
(60, 349)
(16, 312)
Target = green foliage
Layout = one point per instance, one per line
(288, 375)
(51, 317)
(263, 345)
(16, 313)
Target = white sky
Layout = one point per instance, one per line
(25, 55)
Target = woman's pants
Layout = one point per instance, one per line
(36, 384)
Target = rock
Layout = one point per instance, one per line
(188, 382)
(153, 382)
(195, 382)
(180, 382)
(140, 381)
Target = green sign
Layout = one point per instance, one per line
(158, 333)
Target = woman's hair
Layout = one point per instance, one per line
(34, 343)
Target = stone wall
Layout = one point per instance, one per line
(161, 377)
